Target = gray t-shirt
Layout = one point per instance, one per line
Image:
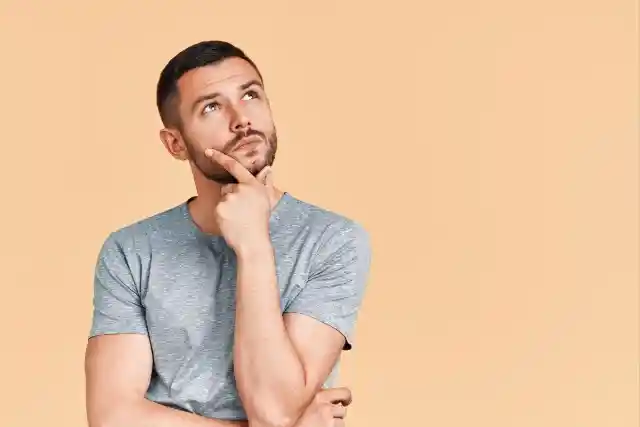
(165, 278)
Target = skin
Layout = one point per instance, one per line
(265, 340)
(219, 123)
(236, 192)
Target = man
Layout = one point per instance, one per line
(236, 304)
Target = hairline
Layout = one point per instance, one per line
(170, 114)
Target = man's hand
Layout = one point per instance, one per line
(271, 396)
(328, 409)
(243, 212)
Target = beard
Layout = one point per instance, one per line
(214, 172)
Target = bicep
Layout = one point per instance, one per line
(117, 370)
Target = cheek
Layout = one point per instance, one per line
(261, 117)
(207, 133)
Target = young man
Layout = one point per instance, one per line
(236, 304)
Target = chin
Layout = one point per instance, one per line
(254, 165)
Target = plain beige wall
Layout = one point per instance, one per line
(491, 148)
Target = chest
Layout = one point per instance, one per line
(190, 294)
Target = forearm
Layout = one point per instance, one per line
(268, 371)
(145, 413)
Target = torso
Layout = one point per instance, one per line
(187, 287)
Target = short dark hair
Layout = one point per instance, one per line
(195, 56)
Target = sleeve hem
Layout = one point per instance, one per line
(348, 341)
(108, 331)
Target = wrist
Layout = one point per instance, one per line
(255, 249)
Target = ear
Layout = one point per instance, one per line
(174, 144)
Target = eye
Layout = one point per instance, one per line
(210, 107)
(252, 93)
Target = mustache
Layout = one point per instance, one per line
(240, 135)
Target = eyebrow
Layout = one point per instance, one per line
(209, 96)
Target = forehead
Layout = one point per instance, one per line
(224, 76)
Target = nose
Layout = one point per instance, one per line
(239, 120)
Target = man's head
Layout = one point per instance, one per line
(211, 95)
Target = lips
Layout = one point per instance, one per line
(247, 141)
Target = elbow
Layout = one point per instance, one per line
(112, 416)
(274, 421)
(104, 420)
(101, 418)
(272, 414)
(100, 421)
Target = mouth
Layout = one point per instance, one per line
(246, 142)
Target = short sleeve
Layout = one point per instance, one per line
(337, 280)
(117, 306)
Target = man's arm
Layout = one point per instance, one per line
(118, 369)
(279, 365)
(118, 360)
(282, 361)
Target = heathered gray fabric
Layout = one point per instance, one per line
(164, 278)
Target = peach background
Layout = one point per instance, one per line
(491, 148)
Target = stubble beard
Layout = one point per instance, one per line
(217, 173)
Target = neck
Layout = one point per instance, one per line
(202, 207)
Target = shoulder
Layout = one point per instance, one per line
(302, 213)
(135, 235)
(332, 230)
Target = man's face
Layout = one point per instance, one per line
(224, 107)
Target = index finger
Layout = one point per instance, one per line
(233, 166)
